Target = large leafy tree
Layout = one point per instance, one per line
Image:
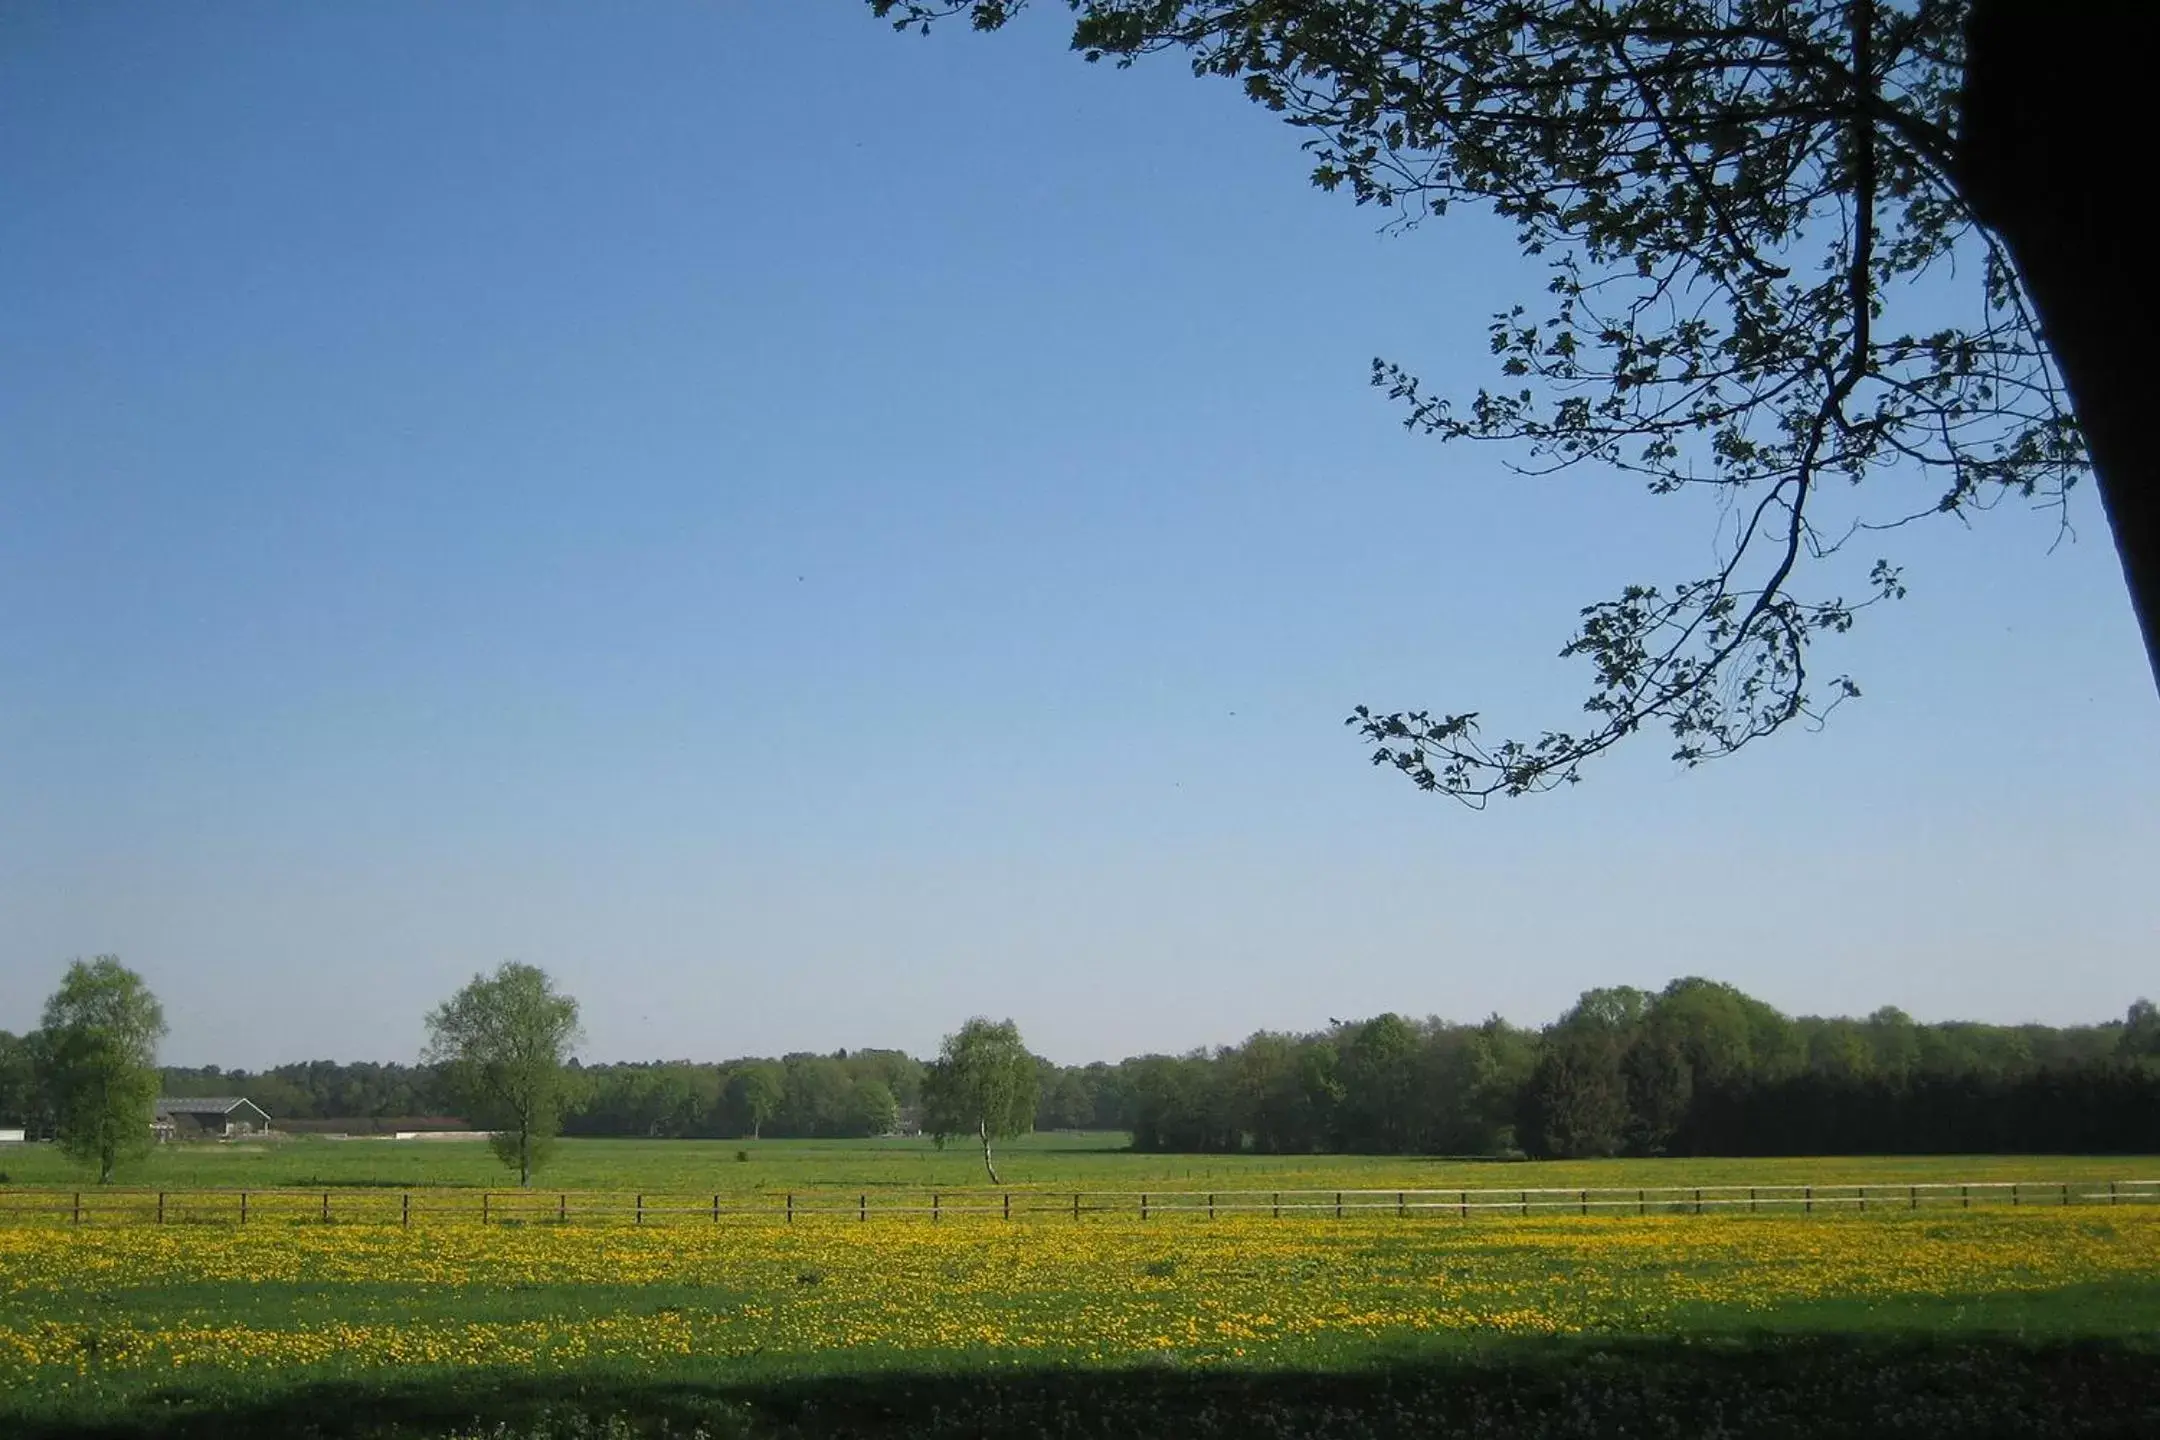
(1575, 1105)
(814, 1096)
(503, 1044)
(1379, 1080)
(871, 1108)
(98, 1059)
(1794, 245)
(984, 1084)
(754, 1095)
(2141, 1031)
(19, 1097)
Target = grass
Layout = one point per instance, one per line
(976, 1327)
(2039, 1320)
(1053, 1162)
(1765, 1389)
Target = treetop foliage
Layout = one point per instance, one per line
(984, 1083)
(101, 1002)
(95, 1063)
(502, 1044)
(1767, 284)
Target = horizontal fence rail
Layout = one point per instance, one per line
(438, 1205)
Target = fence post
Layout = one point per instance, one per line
(1338, 1204)
(1143, 1204)
(1462, 1204)
(862, 1208)
(484, 1198)
(161, 1207)
(2066, 1192)
(243, 1206)
(716, 1209)
(640, 1209)
(1583, 1196)
(1965, 1196)
(1808, 1204)
(78, 1207)
(405, 1211)
(1751, 1199)
(2013, 1192)
(562, 1207)
(1641, 1208)
(791, 1207)
(1399, 1209)
(326, 1207)
(1698, 1199)
(2111, 1192)
(1863, 1199)
(1076, 1204)
(1912, 1194)
(1211, 1205)
(1277, 1203)
(934, 1199)
(1526, 1202)
(1008, 1204)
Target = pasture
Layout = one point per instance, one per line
(1939, 1321)
(1061, 1162)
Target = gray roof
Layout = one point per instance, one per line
(207, 1105)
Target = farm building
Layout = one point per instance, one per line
(216, 1116)
(10, 1135)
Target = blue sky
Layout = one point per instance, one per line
(809, 534)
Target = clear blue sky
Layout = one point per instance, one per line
(809, 534)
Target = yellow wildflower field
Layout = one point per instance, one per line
(1243, 1290)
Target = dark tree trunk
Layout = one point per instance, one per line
(2056, 154)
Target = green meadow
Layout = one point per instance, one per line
(1056, 1162)
(2035, 1320)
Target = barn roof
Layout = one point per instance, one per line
(206, 1105)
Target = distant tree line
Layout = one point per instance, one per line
(1697, 1068)
(797, 1096)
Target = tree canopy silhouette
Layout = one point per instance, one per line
(1795, 245)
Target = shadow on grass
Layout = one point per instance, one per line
(1760, 1386)
(322, 1182)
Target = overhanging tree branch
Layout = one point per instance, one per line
(1734, 196)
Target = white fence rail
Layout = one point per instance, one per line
(436, 1205)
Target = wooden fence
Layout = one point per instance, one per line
(436, 1205)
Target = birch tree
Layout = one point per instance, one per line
(984, 1084)
(502, 1044)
